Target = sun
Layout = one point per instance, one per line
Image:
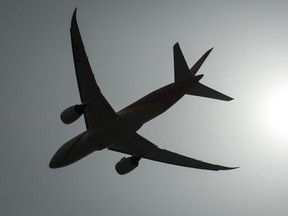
(275, 111)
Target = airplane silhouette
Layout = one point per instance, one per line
(118, 131)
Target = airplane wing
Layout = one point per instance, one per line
(97, 110)
(135, 144)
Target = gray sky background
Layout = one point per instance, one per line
(129, 44)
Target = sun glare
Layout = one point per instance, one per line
(275, 111)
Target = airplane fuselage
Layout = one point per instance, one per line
(160, 100)
(129, 120)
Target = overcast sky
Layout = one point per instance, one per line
(129, 44)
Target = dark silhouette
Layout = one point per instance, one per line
(118, 131)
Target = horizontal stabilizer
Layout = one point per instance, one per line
(204, 91)
(199, 63)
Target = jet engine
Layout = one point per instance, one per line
(72, 113)
(126, 165)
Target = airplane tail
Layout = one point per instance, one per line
(182, 72)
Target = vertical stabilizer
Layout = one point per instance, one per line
(181, 69)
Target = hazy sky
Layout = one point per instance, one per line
(129, 44)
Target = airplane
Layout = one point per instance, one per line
(107, 129)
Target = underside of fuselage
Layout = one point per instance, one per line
(97, 139)
(129, 120)
(160, 100)
(79, 147)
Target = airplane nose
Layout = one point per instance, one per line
(55, 162)
(58, 159)
(63, 156)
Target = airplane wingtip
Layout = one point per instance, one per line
(229, 98)
(229, 168)
(75, 10)
(74, 20)
(210, 50)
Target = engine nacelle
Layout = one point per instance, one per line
(126, 165)
(72, 113)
